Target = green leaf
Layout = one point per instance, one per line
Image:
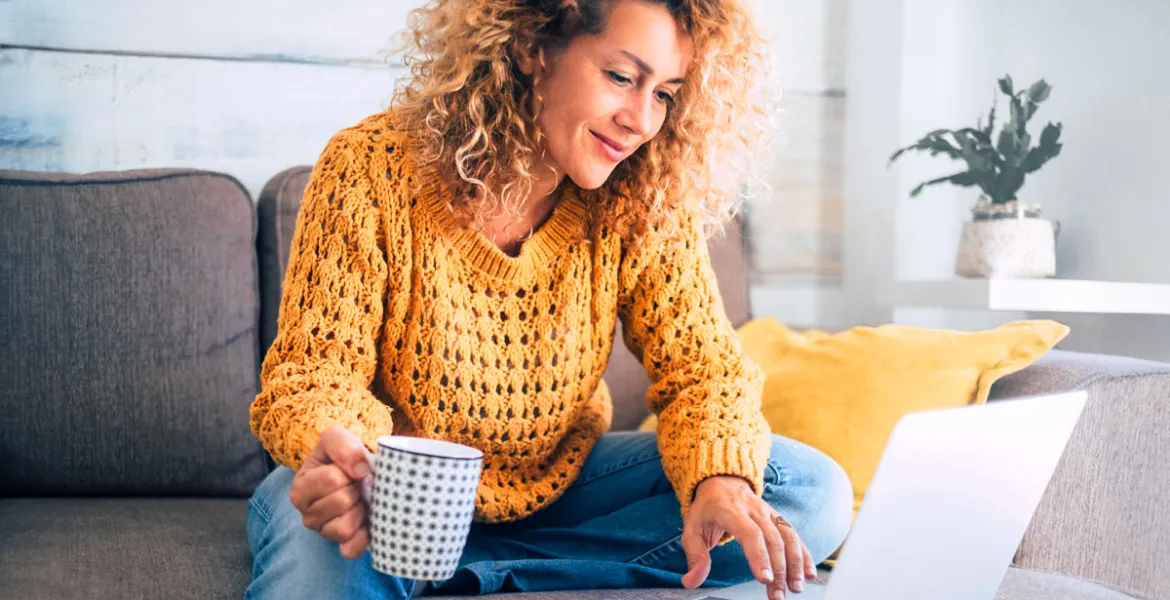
(941, 146)
(979, 135)
(1018, 118)
(935, 144)
(1023, 142)
(1005, 85)
(964, 179)
(1039, 91)
(1038, 156)
(1010, 182)
(1007, 143)
(1050, 134)
(1029, 110)
(989, 159)
(1048, 149)
(970, 153)
(900, 151)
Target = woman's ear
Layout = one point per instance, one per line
(529, 58)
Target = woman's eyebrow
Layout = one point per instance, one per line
(645, 68)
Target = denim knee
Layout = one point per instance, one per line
(812, 491)
(293, 561)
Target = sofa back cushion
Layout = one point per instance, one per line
(625, 376)
(128, 348)
(277, 210)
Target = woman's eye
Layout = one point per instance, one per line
(666, 97)
(618, 78)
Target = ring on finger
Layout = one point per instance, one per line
(779, 521)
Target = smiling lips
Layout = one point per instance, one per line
(611, 149)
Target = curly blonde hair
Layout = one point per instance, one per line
(468, 100)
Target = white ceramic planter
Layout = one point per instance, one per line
(1007, 248)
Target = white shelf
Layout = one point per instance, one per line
(1039, 295)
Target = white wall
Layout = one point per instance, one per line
(1107, 64)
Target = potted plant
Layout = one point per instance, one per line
(1006, 237)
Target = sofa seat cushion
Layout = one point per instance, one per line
(197, 548)
(1026, 584)
(124, 548)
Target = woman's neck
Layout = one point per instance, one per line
(509, 229)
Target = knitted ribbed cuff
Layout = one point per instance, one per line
(723, 456)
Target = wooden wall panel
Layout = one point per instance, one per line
(338, 31)
(89, 112)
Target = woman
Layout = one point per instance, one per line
(458, 267)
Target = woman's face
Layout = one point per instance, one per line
(605, 95)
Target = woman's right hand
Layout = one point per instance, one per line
(327, 490)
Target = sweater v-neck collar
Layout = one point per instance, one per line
(565, 224)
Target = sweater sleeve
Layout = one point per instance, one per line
(703, 388)
(320, 367)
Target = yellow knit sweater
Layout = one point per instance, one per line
(396, 320)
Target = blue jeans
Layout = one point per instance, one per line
(617, 526)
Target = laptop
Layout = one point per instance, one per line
(950, 501)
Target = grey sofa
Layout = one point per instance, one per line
(134, 310)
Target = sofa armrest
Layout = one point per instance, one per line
(1104, 516)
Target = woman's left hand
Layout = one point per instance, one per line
(727, 504)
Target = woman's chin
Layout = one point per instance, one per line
(590, 179)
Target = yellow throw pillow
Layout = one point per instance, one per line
(843, 392)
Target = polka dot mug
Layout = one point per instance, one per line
(420, 505)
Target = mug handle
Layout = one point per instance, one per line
(366, 488)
